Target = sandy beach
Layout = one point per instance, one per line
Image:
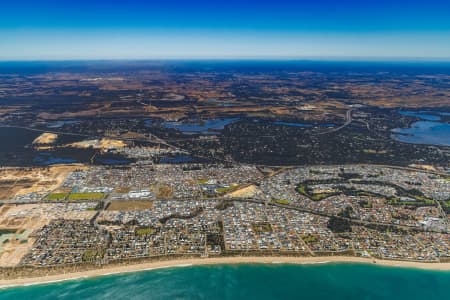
(216, 261)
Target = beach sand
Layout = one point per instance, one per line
(218, 260)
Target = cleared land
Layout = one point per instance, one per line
(9, 188)
(14, 246)
(18, 222)
(248, 191)
(103, 144)
(15, 181)
(46, 138)
(130, 205)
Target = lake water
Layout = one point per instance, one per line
(46, 159)
(430, 130)
(60, 123)
(209, 126)
(17, 150)
(423, 114)
(320, 281)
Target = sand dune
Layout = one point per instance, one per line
(46, 138)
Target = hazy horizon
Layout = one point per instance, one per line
(299, 59)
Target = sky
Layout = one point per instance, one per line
(164, 29)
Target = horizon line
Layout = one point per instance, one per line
(238, 58)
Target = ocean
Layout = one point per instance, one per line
(246, 281)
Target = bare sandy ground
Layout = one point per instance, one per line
(219, 260)
(34, 216)
(40, 180)
(248, 191)
(103, 144)
(13, 251)
(46, 138)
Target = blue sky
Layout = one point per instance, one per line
(44, 29)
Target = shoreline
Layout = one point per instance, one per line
(113, 270)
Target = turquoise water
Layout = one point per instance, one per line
(324, 281)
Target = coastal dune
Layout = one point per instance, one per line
(215, 261)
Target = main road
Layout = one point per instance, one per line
(348, 120)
